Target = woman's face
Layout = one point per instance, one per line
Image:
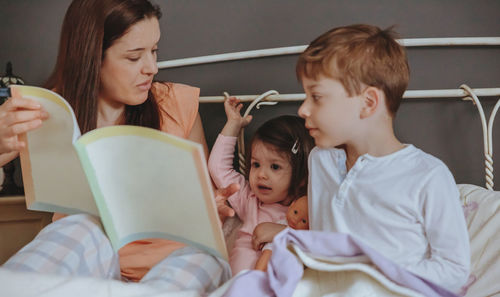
(129, 64)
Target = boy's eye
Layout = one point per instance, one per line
(316, 97)
(275, 166)
(255, 165)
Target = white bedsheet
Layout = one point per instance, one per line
(481, 208)
(23, 284)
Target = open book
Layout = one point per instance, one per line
(143, 183)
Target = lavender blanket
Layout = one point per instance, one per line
(284, 271)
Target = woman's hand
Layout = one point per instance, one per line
(235, 121)
(264, 233)
(221, 196)
(18, 116)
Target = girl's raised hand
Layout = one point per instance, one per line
(235, 121)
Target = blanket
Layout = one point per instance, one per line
(331, 252)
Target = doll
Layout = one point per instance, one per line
(296, 218)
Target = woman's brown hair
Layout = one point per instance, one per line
(90, 27)
(287, 134)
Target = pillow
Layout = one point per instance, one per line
(481, 209)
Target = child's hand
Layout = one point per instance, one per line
(235, 121)
(264, 233)
(221, 196)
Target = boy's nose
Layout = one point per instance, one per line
(303, 110)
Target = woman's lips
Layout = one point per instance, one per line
(145, 86)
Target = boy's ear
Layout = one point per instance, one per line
(372, 98)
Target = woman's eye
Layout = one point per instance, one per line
(275, 166)
(155, 51)
(133, 59)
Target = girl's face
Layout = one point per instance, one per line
(129, 64)
(270, 174)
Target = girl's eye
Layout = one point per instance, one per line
(304, 221)
(255, 165)
(295, 212)
(275, 166)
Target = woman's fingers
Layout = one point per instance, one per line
(23, 116)
(26, 126)
(18, 116)
(21, 103)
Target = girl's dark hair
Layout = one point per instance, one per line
(283, 133)
(90, 27)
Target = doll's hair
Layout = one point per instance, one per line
(288, 135)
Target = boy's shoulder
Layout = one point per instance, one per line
(409, 158)
(421, 158)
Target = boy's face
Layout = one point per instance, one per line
(331, 116)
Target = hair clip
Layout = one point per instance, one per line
(295, 147)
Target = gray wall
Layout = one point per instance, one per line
(449, 129)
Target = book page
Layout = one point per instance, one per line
(149, 184)
(52, 174)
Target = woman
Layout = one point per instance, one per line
(105, 69)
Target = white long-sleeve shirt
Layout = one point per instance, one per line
(405, 205)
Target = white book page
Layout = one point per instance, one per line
(150, 188)
(53, 176)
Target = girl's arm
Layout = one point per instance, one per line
(235, 121)
(220, 162)
(264, 233)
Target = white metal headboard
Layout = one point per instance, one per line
(273, 97)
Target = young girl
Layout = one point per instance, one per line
(276, 170)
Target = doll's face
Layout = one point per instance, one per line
(297, 216)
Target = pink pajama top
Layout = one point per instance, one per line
(244, 202)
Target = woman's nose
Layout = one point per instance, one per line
(150, 66)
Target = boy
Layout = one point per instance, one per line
(363, 180)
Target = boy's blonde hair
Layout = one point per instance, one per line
(359, 54)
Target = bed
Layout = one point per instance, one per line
(481, 207)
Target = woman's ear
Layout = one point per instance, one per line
(371, 99)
